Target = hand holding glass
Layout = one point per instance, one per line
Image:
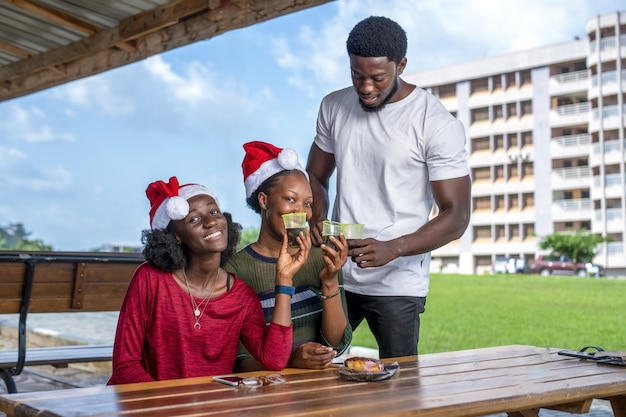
(294, 224)
(330, 228)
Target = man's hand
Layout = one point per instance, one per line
(367, 253)
(311, 355)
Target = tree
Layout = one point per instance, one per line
(15, 237)
(580, 246)
(248, 235)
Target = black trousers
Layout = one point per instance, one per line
(394, 321)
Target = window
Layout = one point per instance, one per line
(500, 232)
(480, 114)
(528, 200)
(513, 232)
(480, 144)
(527, 139)
(480, 85)
(482, 232)
(446, 91)
(498, 112)
(498, 142)
(482, 203)
(482, 173)
(498, 173)
(512, 140)
(510, 80)
(525, 77)
(497, 82)
(527, 107)
(527, 169)
(513, 202)
(513, 172)
(498, 202)
(511, 110)
(528, 230)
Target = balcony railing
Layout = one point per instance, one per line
(573, 140)
(574, 204)
(570, 77)
(572, 109)
(609, 146)
(610, 180)
(608, 42)
(607, 111)
(573, 172)
(609, 77)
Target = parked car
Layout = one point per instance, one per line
(510, 265)
(595, 270)
(558, 265)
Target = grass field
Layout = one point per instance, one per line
(471, 311)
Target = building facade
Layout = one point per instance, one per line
(545, 131)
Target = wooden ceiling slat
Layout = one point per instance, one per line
(55, 16)
(15, 50)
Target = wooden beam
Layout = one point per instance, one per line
(152, 32)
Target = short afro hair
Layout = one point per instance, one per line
(378, 36)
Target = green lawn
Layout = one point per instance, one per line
(471, 311)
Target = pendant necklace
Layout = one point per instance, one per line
(197, 314)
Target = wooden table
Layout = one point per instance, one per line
(514, 379)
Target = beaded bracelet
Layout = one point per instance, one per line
(328, 297)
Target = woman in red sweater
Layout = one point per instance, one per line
(183, 315)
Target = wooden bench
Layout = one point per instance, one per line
(57, 282)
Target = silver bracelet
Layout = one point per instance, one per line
(328, 297)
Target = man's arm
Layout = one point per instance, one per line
(453, 199)
(320, 166)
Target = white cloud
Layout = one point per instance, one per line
(29, 125)
(439, 33)
(197, 85)
(100, 92)
(10, 156)
(53, 179)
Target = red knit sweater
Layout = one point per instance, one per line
(156, 339)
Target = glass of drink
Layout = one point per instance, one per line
(330, 228)
(352, 232)
(294, 224)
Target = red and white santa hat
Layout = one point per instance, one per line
(262, 160)
(168, 201)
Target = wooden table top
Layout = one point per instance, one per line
(515, 379)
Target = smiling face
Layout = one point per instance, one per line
(375, 80)
(290, 193)
(204, 229)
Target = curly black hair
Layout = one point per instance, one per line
(163, 252)
(266, 186)
(378, 36)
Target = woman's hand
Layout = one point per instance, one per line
(289, 264)
(334, 259)
(311, 355)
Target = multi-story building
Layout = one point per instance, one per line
(545, 132)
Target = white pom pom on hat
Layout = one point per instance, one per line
(262, 160)
(168, 201)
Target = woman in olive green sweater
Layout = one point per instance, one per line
(277, 184)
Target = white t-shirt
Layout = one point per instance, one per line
(385, 162)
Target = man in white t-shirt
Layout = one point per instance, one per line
(397, 152)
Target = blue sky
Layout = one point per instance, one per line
(75, 159)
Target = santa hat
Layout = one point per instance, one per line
(169, 201)
(263, 160)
